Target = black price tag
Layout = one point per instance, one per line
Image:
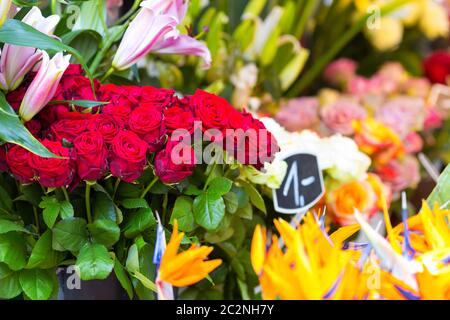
(302, 186)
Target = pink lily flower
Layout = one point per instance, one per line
(44, 85)
(154, 30)
(17, 61)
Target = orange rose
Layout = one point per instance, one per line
(350, 196)
(377, 140)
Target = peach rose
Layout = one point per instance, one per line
(350, 196)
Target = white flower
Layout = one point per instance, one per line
(338, 156)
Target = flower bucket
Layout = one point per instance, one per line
(72, 288)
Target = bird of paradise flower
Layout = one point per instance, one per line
(315, 265)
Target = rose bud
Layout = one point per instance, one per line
(128, 156)
(106, 125)
(147, 122)
(17, 159)
(53, 172)
(175, 163)
(92, 156)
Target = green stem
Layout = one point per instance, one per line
(340, 43)
(88, 202)
(129, 13)
(66, 195)
(304, 18)
(116, 187)
(164, 207)
(36, 219)
(144, 193)
(107, 74)
(108, 44)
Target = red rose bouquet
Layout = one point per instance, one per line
(118, 160)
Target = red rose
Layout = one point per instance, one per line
(53, 172)
(106, 125)
(179, 116)
(52, 113)
(147, 123)
(75, 86)
(128, 156)
(34, 126)
(115, 95)
(212, 110)
(157, 96)
(175, 163)
(250, 143)
(267, 145)
(17, 159)
(92, 155)
(3, 163)
(134, 94)
(67, 129)
(240, 120)
(437, 66)
(121, 113)
(15, 97)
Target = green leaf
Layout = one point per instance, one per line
(138, 222)
(9, 283)
(135, 203)
(441, 193)
(43, 255)
(255, 197)
(70, 234)
(20, 34)
(51, 208)
(182, 211)
(104, 231)
(7, 226)
(103, 207)
(192, 190)
(37, 283)
(231, 202)
(132, 263)
(219, 186)
(123, 278)
(13, 131)
(94, 262)
(5, 200)
(33, 193)
(13, 250)
(66, 210)
(80, 103)
(209, 210)
(145, 281)
(245, 212)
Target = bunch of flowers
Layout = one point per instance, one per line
(118, 137)
(348, 184)
(384, 114)
(306, 262)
